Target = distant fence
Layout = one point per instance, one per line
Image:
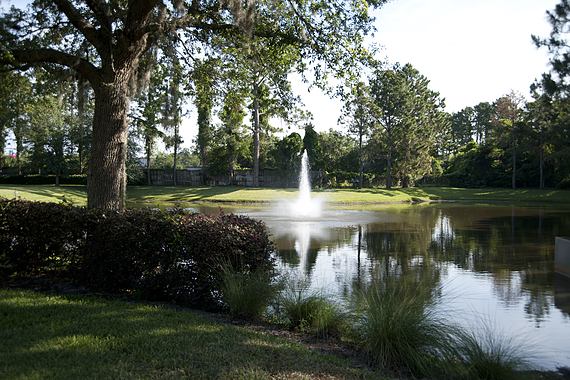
(267, 178)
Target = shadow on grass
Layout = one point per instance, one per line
(76, 193)
(83, 337)
(174, 193)
(211, 194)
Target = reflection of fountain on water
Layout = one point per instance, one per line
(303, 240)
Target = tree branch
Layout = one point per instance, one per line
(138, 14)
(30, 57)
(102, 14)
(78, 21)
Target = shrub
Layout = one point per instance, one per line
(118, 249)
(35, 236)
(168, 255)
(172, 255)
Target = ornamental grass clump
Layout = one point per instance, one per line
(397, 323)
(487, 354)
(301, 308)
(247, 294)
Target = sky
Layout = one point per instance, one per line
(472, 51)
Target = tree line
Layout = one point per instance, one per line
(408, 136)
(91, 84)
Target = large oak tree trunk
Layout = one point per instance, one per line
(107, 179)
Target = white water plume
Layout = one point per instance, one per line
(305, 206)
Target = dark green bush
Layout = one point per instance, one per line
(119, 248)
(35, 236)
(169, 255)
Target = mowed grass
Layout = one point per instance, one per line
(45, 193)
(56, 337)
(223, 194)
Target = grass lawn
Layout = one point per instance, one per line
(73, 337)
(158, 194)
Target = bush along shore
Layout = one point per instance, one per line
(163, 255)
(223, 263)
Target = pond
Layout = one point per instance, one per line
(495, 262)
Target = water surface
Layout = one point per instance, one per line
(495, 261)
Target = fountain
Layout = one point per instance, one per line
(304, 206)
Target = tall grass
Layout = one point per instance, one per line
(492, 355)
(398, 325)
(247, 295)
(310, 310)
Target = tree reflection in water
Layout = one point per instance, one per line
(496, 259)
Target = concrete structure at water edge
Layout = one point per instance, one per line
(562, 257)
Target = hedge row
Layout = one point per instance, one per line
(168, 255)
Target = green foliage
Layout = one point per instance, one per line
(398, 326)
(308, 310)
(135, 173)
(312, 145)
(489, 161)
(409, 118)
(184, 159)
(462, 126)
(288, 153)
(340, 179)
(340, 152)
(203, 80)
(164, 255)
(556, 82)
(247, 294)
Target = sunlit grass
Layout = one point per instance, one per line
(224, 194)
(56, 337)
(46, 193)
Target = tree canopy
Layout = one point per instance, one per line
(104, 41)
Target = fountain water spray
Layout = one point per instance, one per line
(305, 206)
